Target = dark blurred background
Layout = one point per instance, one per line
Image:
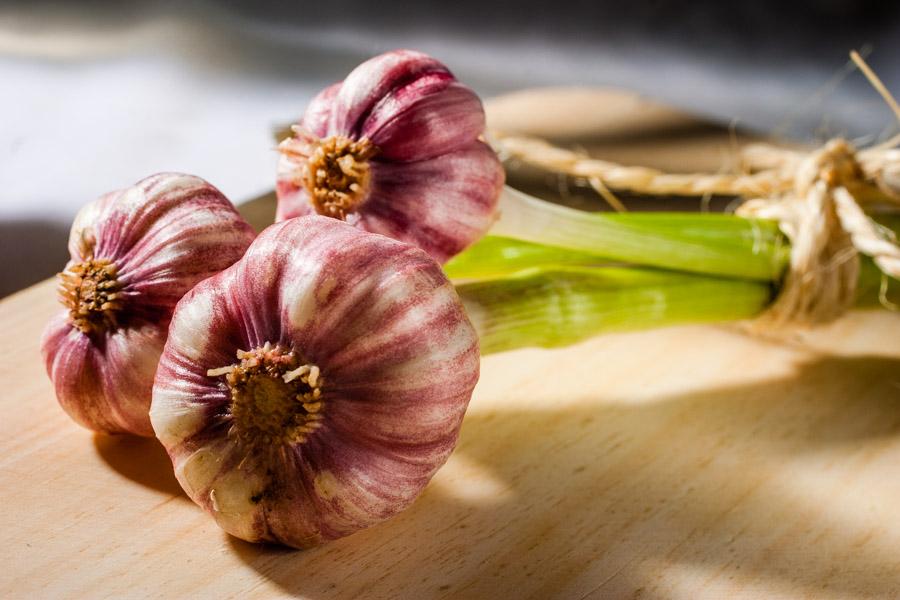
(96, 95)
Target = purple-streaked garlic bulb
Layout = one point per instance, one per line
(313, 388)
(134, 254)
(395, 149)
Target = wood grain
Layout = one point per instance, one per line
(689, 462)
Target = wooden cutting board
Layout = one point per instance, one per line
(688, 462)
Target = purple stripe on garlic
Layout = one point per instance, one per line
(313, 388)
(134, 254)
(395, 149)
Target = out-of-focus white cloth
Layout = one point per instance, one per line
(94, 97)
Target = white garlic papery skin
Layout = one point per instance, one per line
(395, 149)
(315, 387)
(134, 254)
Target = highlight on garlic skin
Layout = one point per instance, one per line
(395, 149)
(314, 388)
(134, 254)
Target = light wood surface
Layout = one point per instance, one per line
(689, 462)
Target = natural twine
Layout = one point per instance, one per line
(817, 198)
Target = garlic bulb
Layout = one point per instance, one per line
(395, 149)
(134, 253)
(313, 388)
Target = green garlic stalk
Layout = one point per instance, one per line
(558, 306)
(519, 294)
(710, 244)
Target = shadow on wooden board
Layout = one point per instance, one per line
(259, 211)
(142, 460)
(620, 514)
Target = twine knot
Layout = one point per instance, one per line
(835, 164)
(828, 228)
(819, 216)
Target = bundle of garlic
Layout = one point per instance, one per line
(134, 254)
(312, 386)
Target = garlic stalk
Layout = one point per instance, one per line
(551, 306)
(134, 253)
(395, 149)
(520, 294)
(712, 244)
(313, 388)
(493, 257)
